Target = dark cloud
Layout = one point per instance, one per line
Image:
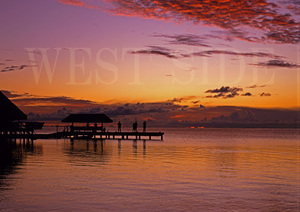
(185, 99)
(228, 35)
(27, 100)
(13, 68)
(156, 50)
(243, 19)
(293, 6)
(246, 94)
(278, 63)
(186, 39)
(291, 2)
(256, 86)
(54, 116)
(178, 100)
(255, 117)
(141, 109)
(127, 111)
(265, 94)
(203, 41)
(224, 92)
(13, 94)
(60, 100)
(233, 117)
(244, 54)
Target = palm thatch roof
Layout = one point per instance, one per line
(9, 111)
(88, 118)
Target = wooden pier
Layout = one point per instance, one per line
(91, 135)
(112, 135)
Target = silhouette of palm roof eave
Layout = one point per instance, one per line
(87, 118)
(9, 111)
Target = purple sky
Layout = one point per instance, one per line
(118, 52)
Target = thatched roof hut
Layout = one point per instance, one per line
(9, 111)
(87, 118)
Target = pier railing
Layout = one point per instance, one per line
(111, 135)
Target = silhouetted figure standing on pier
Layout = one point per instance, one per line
(134, 126)
(144, 126)
(119, 126)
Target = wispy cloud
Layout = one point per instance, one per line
(209, 53)
(57, 101)
(170, 53)
(246, 94)
(265, 94)
(224, 92)
(278, 63)
(230, 92)
(14, 68)
(156, 50)
(185, 99)
(79, 3)
(25, 99)
(185, 39)
(13, 94)
(256, 86)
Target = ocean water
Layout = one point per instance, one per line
(191, 170)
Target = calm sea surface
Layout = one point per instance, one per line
(191, 170)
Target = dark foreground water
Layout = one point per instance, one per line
(191, 170)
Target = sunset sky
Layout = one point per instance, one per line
(173, 60)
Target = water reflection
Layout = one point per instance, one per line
(225, 159)
(134, 147)
(88, 151)
(96, 150)
(199, 173)
(12, 155)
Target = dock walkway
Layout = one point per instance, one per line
(91, 135)
(112, 135)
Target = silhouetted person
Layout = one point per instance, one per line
(119, 126)
(144, 126)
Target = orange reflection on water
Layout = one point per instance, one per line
(193, 169)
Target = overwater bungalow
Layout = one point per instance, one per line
(9, 113)
(13, 120)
